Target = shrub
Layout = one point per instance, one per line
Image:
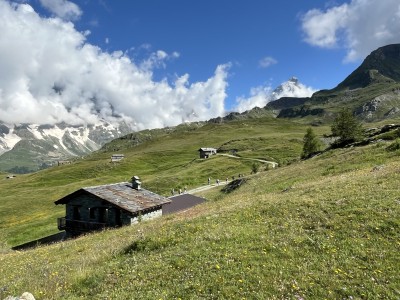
(311, 144)
(255, 167)
(394, 146)
(346, 127)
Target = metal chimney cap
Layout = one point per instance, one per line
(136, 184)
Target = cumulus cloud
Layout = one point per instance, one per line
(157, 59)
(261, 95)
(267, 62)
(360, 26)
(49, 73)
(64, 9)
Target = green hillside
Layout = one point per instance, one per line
(324, 228)
(163, 158)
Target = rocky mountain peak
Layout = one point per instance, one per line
(291, 88)
(382, 65)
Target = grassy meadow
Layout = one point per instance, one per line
(323, 228)
(165, 159)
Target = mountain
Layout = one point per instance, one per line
(382, 65)
(372, 92)
(29, 147)
(291, 88)
(260, 96)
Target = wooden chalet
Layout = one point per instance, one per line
(207, 152)
(112, 205)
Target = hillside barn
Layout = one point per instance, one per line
(113, 205)
(207, 152)
(117, 157)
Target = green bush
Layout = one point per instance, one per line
(346, 127)
(311, 143)
(394, 146)
(255, 167)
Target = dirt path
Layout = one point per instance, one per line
(274, 164)
(206, 187)
(223, 182)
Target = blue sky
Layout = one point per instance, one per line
(158, 63)
(210, 33)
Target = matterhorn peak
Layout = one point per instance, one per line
(262, 95)
(292, 88)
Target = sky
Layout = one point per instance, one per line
(158, 63)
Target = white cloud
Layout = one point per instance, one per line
(360, 26)
(64, 9)
(261, 95)
(63, 78)
(267, 62)
(157, 60)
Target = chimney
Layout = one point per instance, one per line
(136, 184)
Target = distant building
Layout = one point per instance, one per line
(207, 152)
(112, 205)
(117, 157)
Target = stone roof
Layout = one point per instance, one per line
(122, 195)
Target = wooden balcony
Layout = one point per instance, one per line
(79, 226)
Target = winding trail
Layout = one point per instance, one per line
(223, 182)
(206, 187)
(273, 163)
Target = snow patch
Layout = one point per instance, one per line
(9, 140)
(33, 128)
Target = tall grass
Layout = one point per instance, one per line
(297, 232)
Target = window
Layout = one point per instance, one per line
(77, 213)
(92, 212)
(103, 215)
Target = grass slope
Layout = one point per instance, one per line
(164, 159)
(325, 228)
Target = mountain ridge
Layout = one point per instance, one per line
(381, 64)
(372, 92)
(29, 147)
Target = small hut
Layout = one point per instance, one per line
(207, 152)
(112, 205)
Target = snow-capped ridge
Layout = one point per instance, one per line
(292, 88)
(58, 141)
(262, 95)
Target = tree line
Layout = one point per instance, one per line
(345, 127)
